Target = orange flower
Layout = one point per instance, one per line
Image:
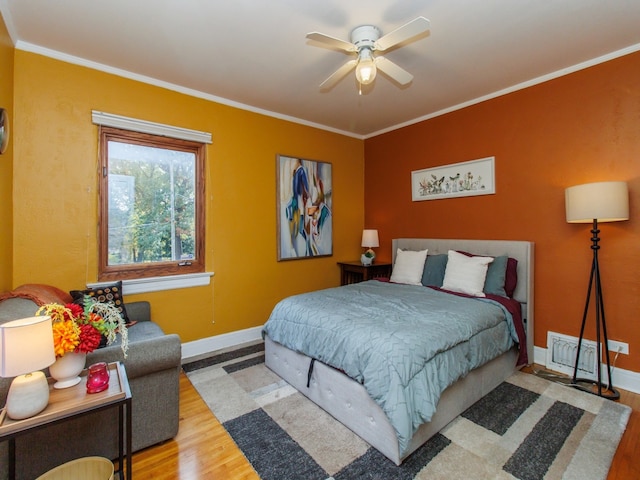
(66, 337)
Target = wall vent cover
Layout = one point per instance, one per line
(561, 355)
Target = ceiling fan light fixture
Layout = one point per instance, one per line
(365, 40)
(366, 68)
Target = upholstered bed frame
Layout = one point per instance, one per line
(348, 401)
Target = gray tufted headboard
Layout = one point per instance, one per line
(520, 250)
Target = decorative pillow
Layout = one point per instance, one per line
(38, 293)
(511, 277)
(111, 294)
(408, 267)
(434, 269)
(496, 274)
(466, 274)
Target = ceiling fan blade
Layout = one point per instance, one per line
(331, 41)
(405, 32)
(338, 75)
(396, 73)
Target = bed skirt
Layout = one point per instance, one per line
(349, 403)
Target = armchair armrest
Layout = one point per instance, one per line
(150, 351)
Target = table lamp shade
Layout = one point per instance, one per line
(602, 201)
(26, 345)
(370, 238)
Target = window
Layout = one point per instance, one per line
(151, 205)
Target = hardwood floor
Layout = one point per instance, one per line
(203, 449)
(626, 463)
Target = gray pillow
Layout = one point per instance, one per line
(496, 276)
(434, 268)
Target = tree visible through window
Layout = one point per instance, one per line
(151, 205)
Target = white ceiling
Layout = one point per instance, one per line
(254, 54)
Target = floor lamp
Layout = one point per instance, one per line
(596, 202)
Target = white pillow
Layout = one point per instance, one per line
(466, 274)
(408, 267)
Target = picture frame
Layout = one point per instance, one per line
(304, 208)
(4, 130)
(464, 179)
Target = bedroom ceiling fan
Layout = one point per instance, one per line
(365, 41)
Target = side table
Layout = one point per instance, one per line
(354, 272)
(75, 401)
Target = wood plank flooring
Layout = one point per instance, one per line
(203, 449)
(626, 463)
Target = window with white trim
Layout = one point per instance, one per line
(152, 205)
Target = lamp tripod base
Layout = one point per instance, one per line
(595, 388)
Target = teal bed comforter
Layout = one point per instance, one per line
(405, 344)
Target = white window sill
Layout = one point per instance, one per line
(157, 284)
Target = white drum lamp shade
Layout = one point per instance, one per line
(370, 239)
(26, 346)
(602, 201)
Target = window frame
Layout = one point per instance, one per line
(108, 272)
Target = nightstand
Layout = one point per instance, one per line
(354, 272)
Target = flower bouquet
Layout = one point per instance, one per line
(81, 329)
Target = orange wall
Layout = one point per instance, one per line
(55, 203)
(580, 128)
(6, 160)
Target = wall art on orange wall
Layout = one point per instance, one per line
(304, 208)
(464, 179)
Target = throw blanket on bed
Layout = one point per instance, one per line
(404, 343)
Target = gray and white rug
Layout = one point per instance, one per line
(528, 428)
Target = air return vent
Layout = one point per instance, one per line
(561, 355)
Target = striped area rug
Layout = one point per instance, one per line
(528, 428)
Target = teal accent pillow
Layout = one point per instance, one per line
(434, 268)
(496, 276)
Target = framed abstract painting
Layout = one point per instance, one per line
(304, 208)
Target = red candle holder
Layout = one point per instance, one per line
(98, 377)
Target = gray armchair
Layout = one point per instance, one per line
(153, 369)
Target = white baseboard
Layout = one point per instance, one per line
(226, 340)
(622, 379)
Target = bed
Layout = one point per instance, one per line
(341, 381)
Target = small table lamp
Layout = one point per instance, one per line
(369, 240)
(26, 346)
(593, 203)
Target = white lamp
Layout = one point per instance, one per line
(369, 240)
(26, 346)
(596, 202)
